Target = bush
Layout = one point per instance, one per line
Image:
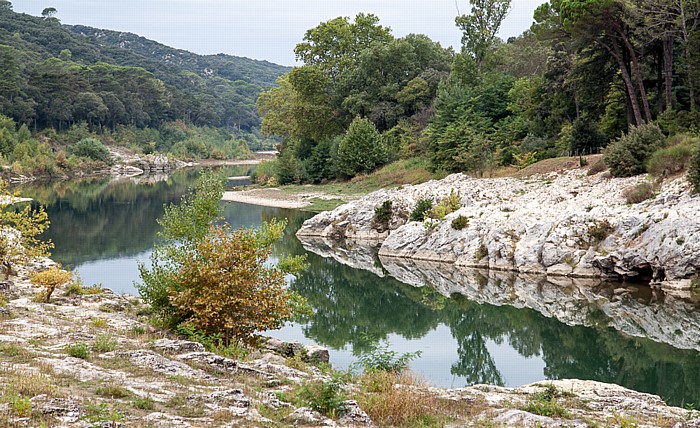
(422, 209)
(670, 160)
(19, 230)
(206, 276)
(628, 155)
(49, 279)
(460, 222)
(92, 148)
(597, 167)
(104, 343)
(600, 230)
(694, 170)
(326, 397)
(79, 350)
(383, 213)
(264, 172)
(380, 358)
(362, 149)
(638, 193)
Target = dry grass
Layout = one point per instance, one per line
(397, 400)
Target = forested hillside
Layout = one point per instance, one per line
(586, 72)
(120, 88)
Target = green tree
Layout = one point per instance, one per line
(480, 28)
(362, 149)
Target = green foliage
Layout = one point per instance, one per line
(93, 149)
(20, 229)
(383, 213)
(422, 209)
(362, 149)
(460, 222)
(104, 343)
(380, 358)
(671, 160)
(546, 403)
(694, 170)
(78, 350)
(215, 279)
(628, 155)
(326, 397)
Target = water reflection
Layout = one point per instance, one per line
(473, 327)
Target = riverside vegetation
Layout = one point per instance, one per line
(64, 96)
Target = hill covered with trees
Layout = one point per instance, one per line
(584, 73)
(122, 88)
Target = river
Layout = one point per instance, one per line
(470, 327)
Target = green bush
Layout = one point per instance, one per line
(422, 208)
(460, 222)
(670, 160)
(362, 149)
(628, 155)
(381, 358)
(326, 397)
(694, 170)
(79, 350)
(639, 193)
(92, 148)
(383, 213)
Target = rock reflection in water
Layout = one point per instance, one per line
(580, 328)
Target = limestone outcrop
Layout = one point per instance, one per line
(566, 224)
(127, 373)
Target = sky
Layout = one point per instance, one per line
(264, 29)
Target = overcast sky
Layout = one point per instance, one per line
(264, 29)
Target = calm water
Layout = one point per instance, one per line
(486, 332)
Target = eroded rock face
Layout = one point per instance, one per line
(558, 225)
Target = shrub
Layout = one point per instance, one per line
(104, 343)
(381, 358)
(694, 170)
(628, 155)
(326, 397)
(79, 350)
(600, 230)
(209, 277)
(362, 149)
(460, 222)
(19, 229)
(92, 148)
(597, 167)
(264, 172)
(49, 279)
(670, 160)
(639, 193)
(421, 210)
(383, 213)
(546, 403)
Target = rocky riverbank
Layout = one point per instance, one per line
(90, 358)
(559, 224)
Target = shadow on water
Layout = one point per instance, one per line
(473, 327)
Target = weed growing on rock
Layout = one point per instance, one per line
(79, 350)
(546, 403)
(144, 403)
(326, 397)
(112, 391)
(422, 209)
(104, 343)
(383, 214)
(460, 222)
(600, 230)
(639, 193)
